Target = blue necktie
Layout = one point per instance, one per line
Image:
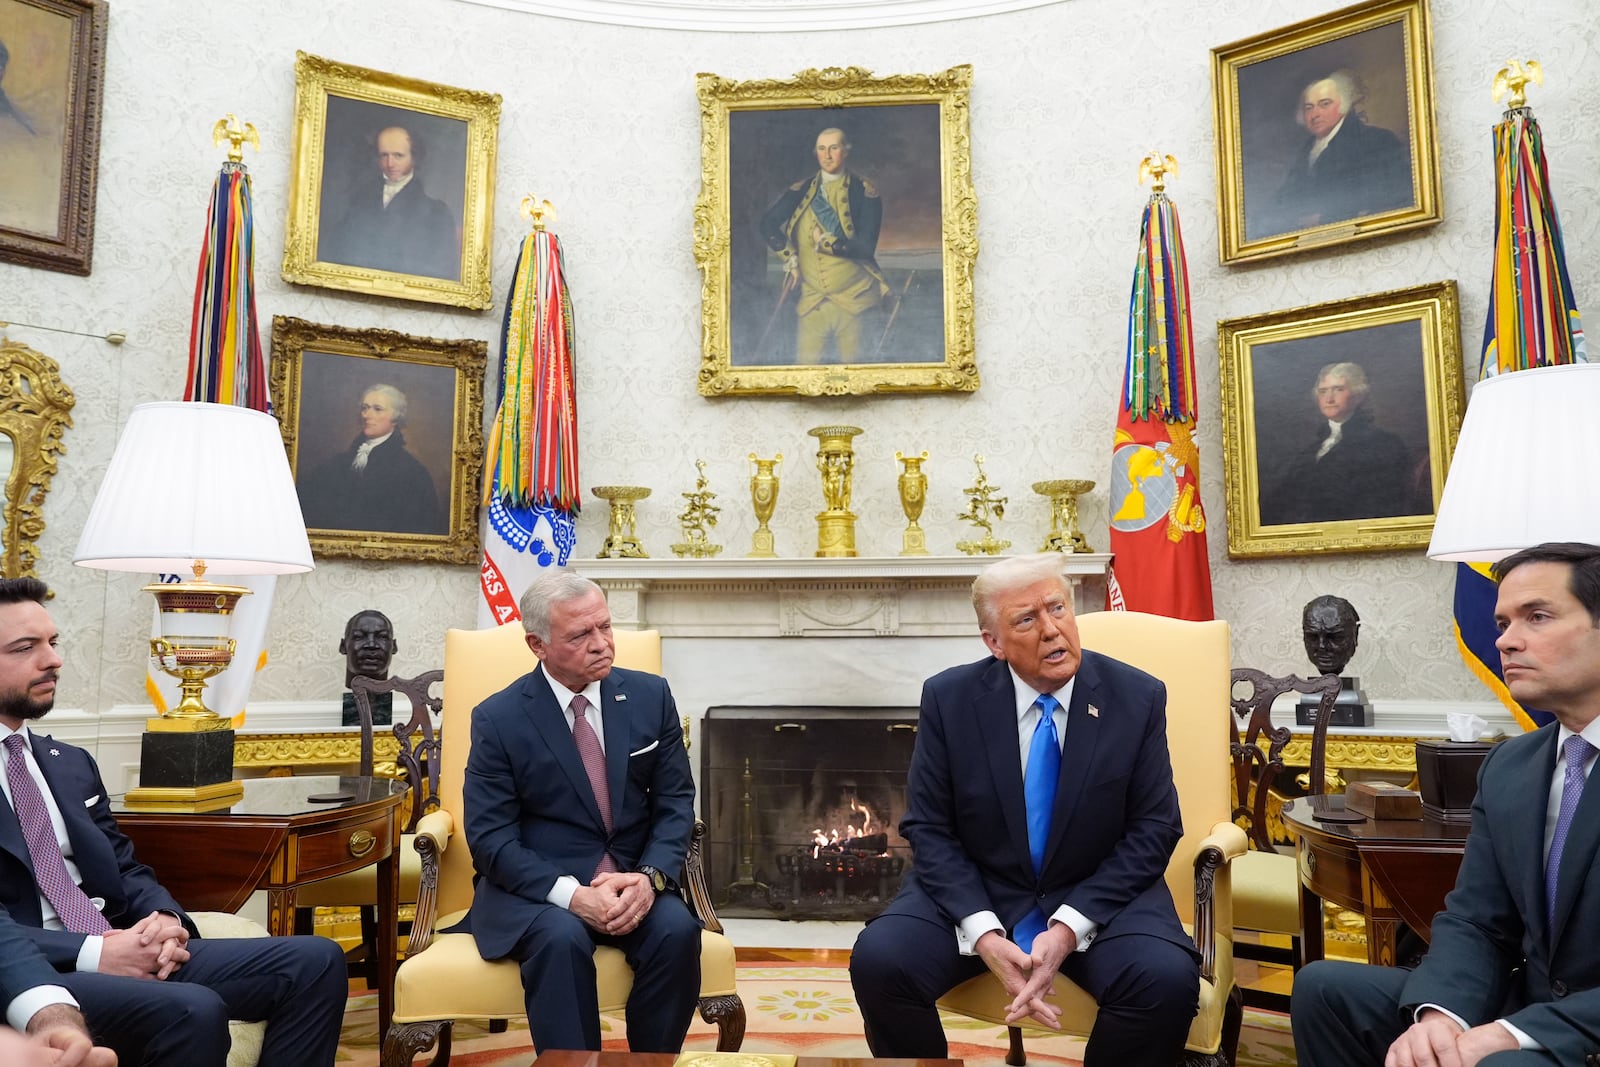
(1577, 751)
(1039, 793)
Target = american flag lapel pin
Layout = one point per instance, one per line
(620, 697)
(1094, 712)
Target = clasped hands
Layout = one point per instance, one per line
(1029, 978)
(614, 903)
(1436, 1040)
(153, 947)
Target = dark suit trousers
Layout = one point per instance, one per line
(298, 984)
(1147, 990)
(558, 978)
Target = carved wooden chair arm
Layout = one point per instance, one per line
(433, 837)
(695, 890)
(1225, 843)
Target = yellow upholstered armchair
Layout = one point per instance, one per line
(1192, 659)
(443, 978)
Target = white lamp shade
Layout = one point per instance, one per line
(1520, 474)
(192, 481)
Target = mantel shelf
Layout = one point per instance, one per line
(667, 571)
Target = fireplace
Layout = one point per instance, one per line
(803, 806)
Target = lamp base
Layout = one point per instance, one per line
(186, 769)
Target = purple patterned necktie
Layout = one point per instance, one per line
(77, 913)
(1577, 754)
(594, 765)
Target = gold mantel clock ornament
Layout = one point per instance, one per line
(623, 540)
(764, 496)
(1065, 536)
(985, 507)
(913, 495)
(836, 523)
(699, 515)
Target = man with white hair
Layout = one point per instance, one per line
(1349, 469)
(1345, 169)
(374, 484)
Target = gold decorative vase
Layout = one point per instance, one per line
(913, 494)
(1064, 533)
(622, 542)
(836, 524)
(764, 496)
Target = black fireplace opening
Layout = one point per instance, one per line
(802, 807)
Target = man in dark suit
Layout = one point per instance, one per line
(1041, 814)
(150, 988)
(40, 1008)
(579, 807)
(392, 224)
(375, 483)
(1345, 169)
(1512, 964)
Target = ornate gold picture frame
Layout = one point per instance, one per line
(392, 185)
(1386, 369)
(836, 234)
(52, 82)
(35, 412)
(385, 439)
(1325, 131)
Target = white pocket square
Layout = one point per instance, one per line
(92, 801)
(645, 749)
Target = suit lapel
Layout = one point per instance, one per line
(1578, 855)
(997, 726)
(90, 852)
(1078, 753)
(550, 720)
(616, 713)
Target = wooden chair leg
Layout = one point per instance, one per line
(498, 1026)
(1016, 1057)
(404, 1040)
(728, 1015)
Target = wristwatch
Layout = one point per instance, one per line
(658, 878)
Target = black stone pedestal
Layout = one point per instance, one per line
(185, 760)
(1350, 708)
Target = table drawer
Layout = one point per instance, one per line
(1331, 873)
(346, 847)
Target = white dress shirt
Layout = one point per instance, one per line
(561, 893)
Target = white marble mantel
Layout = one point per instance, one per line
(896, 596)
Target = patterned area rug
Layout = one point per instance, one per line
(805, 1011)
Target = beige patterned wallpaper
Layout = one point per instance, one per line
(603, 121)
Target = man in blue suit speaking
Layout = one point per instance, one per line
(1041, 814)
(579, 806)
(1511, 975)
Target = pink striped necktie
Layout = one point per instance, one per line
(594, 765)
(77, 912)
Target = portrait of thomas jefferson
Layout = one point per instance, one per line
(375, 482)
(393, 190)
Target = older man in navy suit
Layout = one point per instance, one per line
(1511, 976)
(150, 987)
(1041, 815)
(579, 806)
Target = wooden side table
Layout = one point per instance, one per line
(277, 839)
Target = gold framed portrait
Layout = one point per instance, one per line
(385, 439)
(1339, 421)
(391, 185)
(52, 83)
(1326, 132)
(836, 234)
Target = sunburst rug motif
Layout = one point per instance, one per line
(798, 1010)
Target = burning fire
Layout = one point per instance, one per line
(831, 839)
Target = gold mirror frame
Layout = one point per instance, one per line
(34, 412)
(844, 89)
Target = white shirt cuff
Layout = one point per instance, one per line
(1523, 1040)
(1086, 930)
(29, 1002)
(89, 954)
(561, 893)
(974, 926)
(1446, 1012)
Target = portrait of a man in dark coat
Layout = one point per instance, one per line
(389, 221)
(375, 483)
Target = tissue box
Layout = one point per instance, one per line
(1380, 800)
(1447, 772)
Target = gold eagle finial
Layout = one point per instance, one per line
(540, 212)
(1156, 167)
(1512, 80)
(237, 135)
